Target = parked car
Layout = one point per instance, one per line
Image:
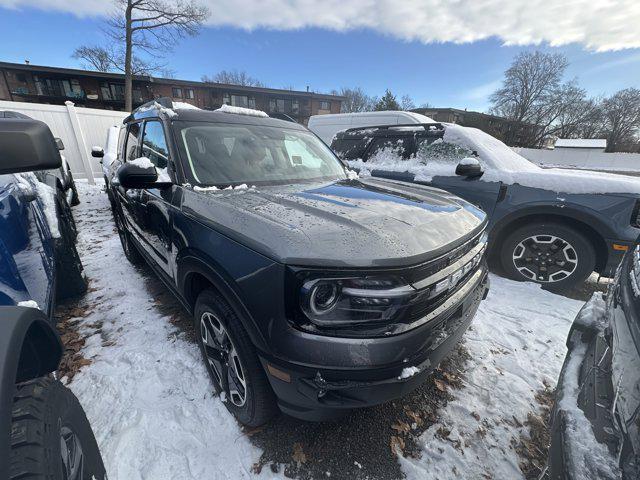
(39, 262)
(310, 290)
(327, 126)
(595, 431)
(47, 432)
(66, 183)
(550, 226)
(108, 155)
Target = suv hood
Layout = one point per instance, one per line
(350, 223)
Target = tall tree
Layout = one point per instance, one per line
(149, 26)
(387, 102)
(621, 114)
(355, 100)
(233, 77)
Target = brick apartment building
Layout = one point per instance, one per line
(514, 134)
(91, 89)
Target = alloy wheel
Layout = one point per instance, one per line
(545, 258)
(223, 359)
(71, 455)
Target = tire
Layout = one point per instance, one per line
(214, 318)
(45, 416)
(75, 198)
(70, 278)
(129, 248)
(556, 256)
(65, 215)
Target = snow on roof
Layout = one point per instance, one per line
(581, 143)
(184, 106)
(241, 111)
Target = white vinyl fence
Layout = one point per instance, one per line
(79, 128)
(583, 159)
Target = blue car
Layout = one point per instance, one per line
(37, 237)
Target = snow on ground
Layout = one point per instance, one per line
(146, 392)
(516, 342)
(149, 400)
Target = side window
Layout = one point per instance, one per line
(391, 146)
(154, 144)
(350, 148)
(133, 134)
(439, 151)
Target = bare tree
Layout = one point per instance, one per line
(407, 103)
(94, 58)
(234, 77)
(112, 60)
(152, 26)
(355, 100)
(621, 113)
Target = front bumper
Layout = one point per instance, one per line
(616, 249)
(595, 399)
(350, 373)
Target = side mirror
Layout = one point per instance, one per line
(97, 152)
(133, 175)
(27, 145)
(469, 167)
(59, 143)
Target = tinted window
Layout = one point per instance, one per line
(154, 144)
(397, 146)
(133, 133)
(350, 148)
(437, 150)
(221, 154)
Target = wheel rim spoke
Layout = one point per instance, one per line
(223, 358)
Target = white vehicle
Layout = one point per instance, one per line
(326, 126)
(107, 154)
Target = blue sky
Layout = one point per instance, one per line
(440, 73)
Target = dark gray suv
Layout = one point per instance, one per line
(551, 226)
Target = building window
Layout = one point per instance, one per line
(54, 87)
(113, 91)
(325, 105)
(188, 93)
(295, 107)
(176, 92)
(252, 102)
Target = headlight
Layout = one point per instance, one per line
(341, 301)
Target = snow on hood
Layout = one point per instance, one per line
(501, 164)
(241, 111)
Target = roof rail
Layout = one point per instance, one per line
(426, 126)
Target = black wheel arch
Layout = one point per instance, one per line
(589, 225)
(29, 348)
(196, 274)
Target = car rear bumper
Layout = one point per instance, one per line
(317, 392)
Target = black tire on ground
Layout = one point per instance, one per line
(65, 215)
(47, 425)
(129, 248)
(70, 278)
(578, 261)
(75, 198)
(260, 402)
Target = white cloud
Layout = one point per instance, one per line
(599, 25)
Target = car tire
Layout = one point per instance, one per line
(129, 248)
(50, 435)
(236, 373)
(554, 255)
(65, 215)
(70, 278)
(75, 198)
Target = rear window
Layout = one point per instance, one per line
(350, 148)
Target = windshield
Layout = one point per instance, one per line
(221, 154)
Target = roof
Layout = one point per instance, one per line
(600, 143)
(154, 108)
(160, 80)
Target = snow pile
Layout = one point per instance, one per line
(408, 372)
(142, 162)
(213, 188)
(500, 163)
(28, 304)
(592, 314)
(241, 111)
(146, 392)
(155, 105)
(516, 342)
(184, 106)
